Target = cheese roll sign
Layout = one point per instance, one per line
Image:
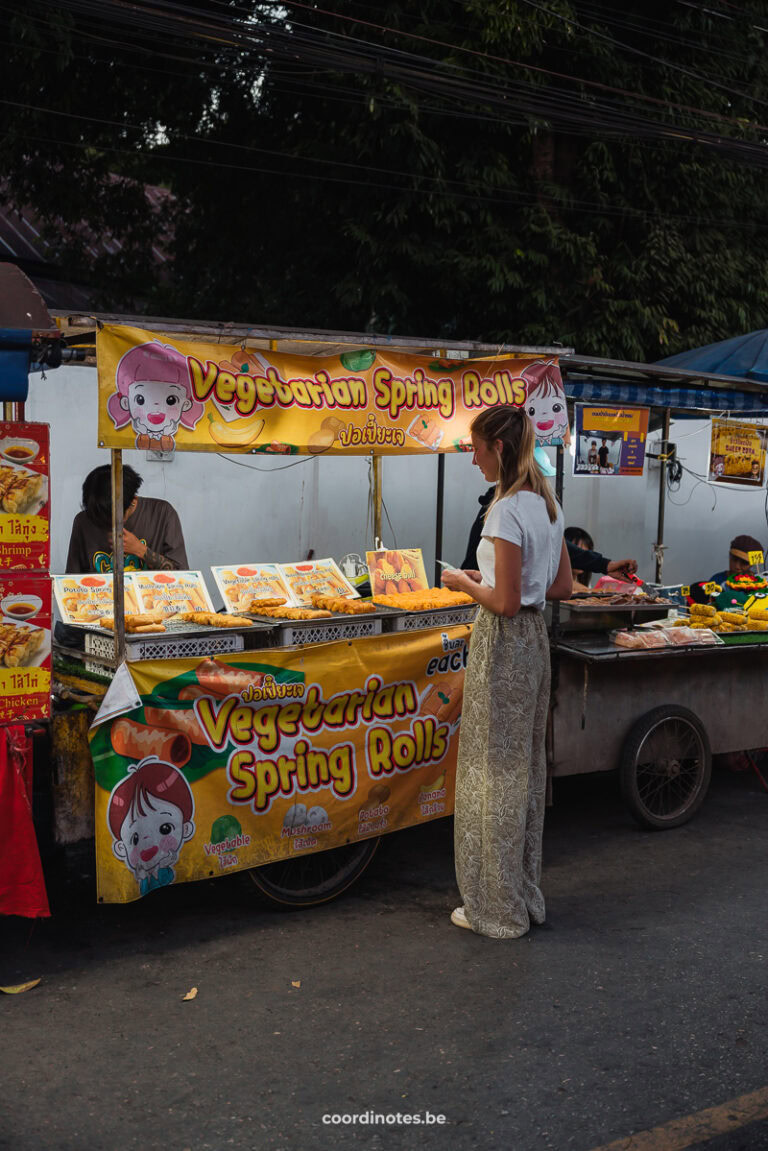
(232, 762)
(166, 394)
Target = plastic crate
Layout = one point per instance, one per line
(446, 617)
(325, 630)
(164, 646)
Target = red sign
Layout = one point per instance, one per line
(24, 497)
(25, 647)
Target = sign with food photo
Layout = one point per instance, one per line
(315, 578)
(25, 648)
(244, 585)
(168, 394)
(396, 572)
(84, 599)
(24, 497)
(165, 593)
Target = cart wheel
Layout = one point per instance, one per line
(665, 767)
(317, 878)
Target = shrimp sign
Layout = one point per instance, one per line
(166, 394)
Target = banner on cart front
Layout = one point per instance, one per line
(164, 394)
(237, 761)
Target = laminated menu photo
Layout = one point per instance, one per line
(315, 577)
(168, 592)
(241, 585)
(25, 647)
(83, 599)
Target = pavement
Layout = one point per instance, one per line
(635, 1018)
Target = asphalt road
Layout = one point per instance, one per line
(642, 1001)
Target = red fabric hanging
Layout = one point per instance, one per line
(22, 887)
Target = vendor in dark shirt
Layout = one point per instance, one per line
(602, 453)
(152, 536)
(584, 560)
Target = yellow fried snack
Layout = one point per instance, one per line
(293, 613)
(257, 604)
(434, 599)
(733, 617)
(757, 625)
(144, 622)
(213, 619)
(340, 605)
(702, 609)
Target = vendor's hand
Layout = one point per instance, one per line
(473, 575)
(131, 544)
(458, 580)
(622, 569)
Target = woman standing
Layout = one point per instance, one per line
(501, 772)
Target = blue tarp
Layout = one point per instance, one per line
(743, 356)
(15, 349)
(600, 391)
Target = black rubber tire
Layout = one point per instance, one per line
(306, 880)
(665, 767)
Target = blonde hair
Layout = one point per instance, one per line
(517, 465)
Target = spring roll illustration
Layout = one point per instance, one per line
(450, 711)
(221, 679)
(184, 721)
(136, 741)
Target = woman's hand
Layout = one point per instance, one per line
(458, 580)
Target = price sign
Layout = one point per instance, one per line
(712, 588)
(685, 589)
(755, 558)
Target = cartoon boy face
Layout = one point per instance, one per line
(155, 408)
(152, 840)
(549, 416)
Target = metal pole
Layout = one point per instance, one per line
(377, 499)
(439, 515)
(659, 548)
(118, 588)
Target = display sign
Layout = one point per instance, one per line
(315, 577)
(82, 599)
(737, 453)
(24, 497)
(609, 441)
(395, 572)
(25, 647)
(158, 392)
(237, 761)
(171, 591)
(241, 584)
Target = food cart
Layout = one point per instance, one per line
(663, 746)
(291, 744)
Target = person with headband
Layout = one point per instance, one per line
(502, 768)
(741, 583)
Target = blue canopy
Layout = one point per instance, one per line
(744, 356)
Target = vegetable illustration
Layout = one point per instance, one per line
(358, 361)
(236, 435)
(225, 827)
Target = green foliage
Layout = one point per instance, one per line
(462, 189)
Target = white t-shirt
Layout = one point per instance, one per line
(523, 519)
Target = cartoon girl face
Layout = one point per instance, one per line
(549, 415)
(155, 408)
(151, 838)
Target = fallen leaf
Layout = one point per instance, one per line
(17, 988)
(295, 983)
(191, 994)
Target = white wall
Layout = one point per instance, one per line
(231, 514)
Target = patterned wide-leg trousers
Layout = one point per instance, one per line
(501, 774)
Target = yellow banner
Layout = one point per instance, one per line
(737, 453)
(240, 760)
(164, 394)
(23, 529)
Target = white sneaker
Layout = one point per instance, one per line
(459, 918)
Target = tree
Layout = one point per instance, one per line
(577, 170)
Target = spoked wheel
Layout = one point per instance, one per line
(665, 768)
(318, 878)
